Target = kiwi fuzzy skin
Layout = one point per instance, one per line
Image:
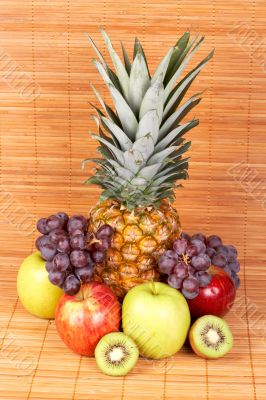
(192, 336)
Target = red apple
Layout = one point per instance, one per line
(217, 298)
(83, 319)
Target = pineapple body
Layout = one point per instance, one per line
(140, 237)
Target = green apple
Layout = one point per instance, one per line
(37, 294)
(157, 318)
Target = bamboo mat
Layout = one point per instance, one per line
(44, 105)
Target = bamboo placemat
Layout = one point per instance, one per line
(44, 136)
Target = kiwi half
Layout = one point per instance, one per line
(116, 354)
(211, 337)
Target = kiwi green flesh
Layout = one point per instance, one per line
(212, 336)
(116, 354)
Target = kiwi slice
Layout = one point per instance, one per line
(211, 337)
(116, 354)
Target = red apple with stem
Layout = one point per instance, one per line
(217, 298)
(83, 319)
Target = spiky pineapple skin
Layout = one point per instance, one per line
(140, 237)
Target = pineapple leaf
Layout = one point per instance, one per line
(179, 49)
(149, 123)
(114, 150)
(139, 82)
(175, 134)
(161, 156)
(106, 108)
(180, 69)
(150, 171)
(153, 99)
(126, 59)
(133, 159)
(118, 65)
(125, 114)
(138, 47)
(145, 146)
(162, 67)
(178, 115)
(99, 54)
(123, 140)
(183, 85)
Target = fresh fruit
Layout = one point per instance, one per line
(84, 318)
(141, 143)
(216, 298)
(67, 246)
(211, 337)
(36, 293)
(157, 318)
(187, 264)
(116, 354)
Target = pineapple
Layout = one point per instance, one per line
(141, 145)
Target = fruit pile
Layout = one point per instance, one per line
(70, 250)
(130, 235)
(188, 262)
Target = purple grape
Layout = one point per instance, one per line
(63, 245)
(234, 266)
(78, 258)
(74, 224)
(57, 234)
(41, 240)
(53, 222)
(61, 262)
(76, 232)
(201, 262)
(71, 285)
(214, 241)
(171, 254)
(78, 242)
(191, 270)
(103, 231)
(174, 281)
(222, 250)
(57, 278)
(185, 236)
(199, 236)
(210, 251)
(190, 295)
(98, 256)
(84, 274)
(191, 284)
(219, 260)
(236, 280)
(181, 270)
(49, 266)
(63, 217)
(232, 252)
(192, 250)
(42, 226)
(180, 246)
(227, 270)
(166, 264)
(103, 245)
(203, 278)
(201, 248)
(48, 251)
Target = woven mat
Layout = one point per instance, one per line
(44, 105)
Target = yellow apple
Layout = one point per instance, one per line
(37, 294)
(157, 318)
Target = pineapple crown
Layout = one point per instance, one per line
(141, 140)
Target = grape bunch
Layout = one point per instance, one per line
(70, 250)
(187, 263)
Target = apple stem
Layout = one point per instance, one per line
(153, 288)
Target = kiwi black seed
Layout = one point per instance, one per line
(211, 337)
(116, 354)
